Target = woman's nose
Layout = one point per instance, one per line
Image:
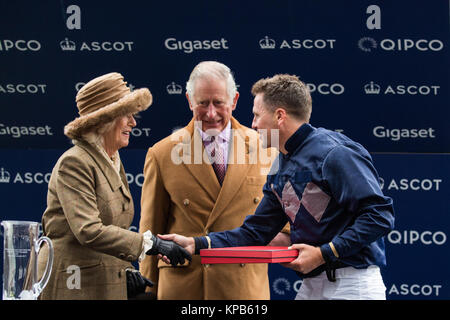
(132, 121)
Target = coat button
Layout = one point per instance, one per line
(121, 255)
(186, 202)
(256, 200)
(130, 258)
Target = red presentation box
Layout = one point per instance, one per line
(248, 255)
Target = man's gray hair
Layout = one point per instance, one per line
(215, 70)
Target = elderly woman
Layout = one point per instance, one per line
(89, 205)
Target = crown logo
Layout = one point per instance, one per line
(267, 43)
(174, 88)
(4, 176)
(372, 88)
(67, 45)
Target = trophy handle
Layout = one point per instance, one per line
(38, 287)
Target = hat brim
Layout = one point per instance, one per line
(136, 101)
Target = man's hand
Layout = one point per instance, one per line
(187, 243)
(170, 251)
(308, 259)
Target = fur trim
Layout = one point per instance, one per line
(136, 101)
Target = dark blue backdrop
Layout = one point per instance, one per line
(378, 72)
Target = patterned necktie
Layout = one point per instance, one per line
(218, 161)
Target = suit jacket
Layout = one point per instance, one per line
(185, 197)
(89, 211)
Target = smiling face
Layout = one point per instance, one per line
(211, 104)
(264, 121)
(119, 135)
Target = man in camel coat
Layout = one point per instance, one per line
(205, 177)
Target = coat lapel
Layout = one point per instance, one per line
(237, 169)
(111, 176)
(188, 146)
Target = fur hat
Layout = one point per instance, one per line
(103, 99)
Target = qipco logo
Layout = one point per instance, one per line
(326, 88)
(21, 45)
(411, 237)
(408, 44)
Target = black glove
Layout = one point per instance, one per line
(170, 249)
(136, 283)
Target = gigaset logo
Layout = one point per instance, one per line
(397, 134)
(189, 46)
(20, 131)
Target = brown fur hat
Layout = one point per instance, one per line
(103, 99)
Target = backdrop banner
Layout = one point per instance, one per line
(378, 72)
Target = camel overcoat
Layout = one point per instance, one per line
(89, 211)
(181, 194)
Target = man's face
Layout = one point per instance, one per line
(264, 121)
(211, 104)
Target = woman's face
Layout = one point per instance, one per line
(119, 135)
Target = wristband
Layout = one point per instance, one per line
(200, 244)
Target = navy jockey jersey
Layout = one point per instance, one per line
(327, 188)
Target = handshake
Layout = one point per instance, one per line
(169, 251)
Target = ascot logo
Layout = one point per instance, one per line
(368, 44)
(118, 46)
(174, 88)
(25, 178)
(415, 289)
(415, 184)
(23, 88)
(67, 45)
(269, 43)
(4, 176)
(373, 88)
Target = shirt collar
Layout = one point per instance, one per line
(223, 136)
(298, 137)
